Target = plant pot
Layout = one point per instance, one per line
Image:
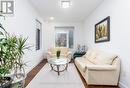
(6, 82)
(19, 81)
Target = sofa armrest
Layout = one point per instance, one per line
(69, 54)
(101, 67)
(49, 55)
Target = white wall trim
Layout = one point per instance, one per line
(122, 85)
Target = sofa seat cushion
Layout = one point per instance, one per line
(91, 55)
(63, 50)
(104, 59)
(81, 62)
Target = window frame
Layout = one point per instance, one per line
(67, 29)
(38, 35)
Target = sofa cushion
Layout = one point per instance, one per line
(53, 50)
(104, 59)
(88, 53)
(91, 55)
(82, 63)
(63, 50)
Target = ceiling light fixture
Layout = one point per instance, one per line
(51, 18)
(65, 3)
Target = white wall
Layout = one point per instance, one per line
(119, 12)
(23, 23)
(49, 33)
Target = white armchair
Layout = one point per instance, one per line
(65, 52)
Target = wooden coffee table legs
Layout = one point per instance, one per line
(66, 67)
(58, 68)
(58, 71)
(51, 66)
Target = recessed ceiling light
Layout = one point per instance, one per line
(51, 18)
(65, 3)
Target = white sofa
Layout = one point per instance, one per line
(99, 68)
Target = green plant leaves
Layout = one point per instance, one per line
(12, 49)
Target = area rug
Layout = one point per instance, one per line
(47, 78)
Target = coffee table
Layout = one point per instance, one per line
(57, 62)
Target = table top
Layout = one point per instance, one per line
(60, 61)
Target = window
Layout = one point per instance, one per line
(61, 40)
(64, 37)
(38, 34)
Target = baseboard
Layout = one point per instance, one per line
(122, 85)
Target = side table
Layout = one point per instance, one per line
(78, 54)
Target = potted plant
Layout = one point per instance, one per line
(4, 67)
(11, 51)
(19, 46)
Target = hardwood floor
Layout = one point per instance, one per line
(35, 70)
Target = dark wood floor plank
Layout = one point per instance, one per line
(34, 72)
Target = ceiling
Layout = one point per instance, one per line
(79, 10)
